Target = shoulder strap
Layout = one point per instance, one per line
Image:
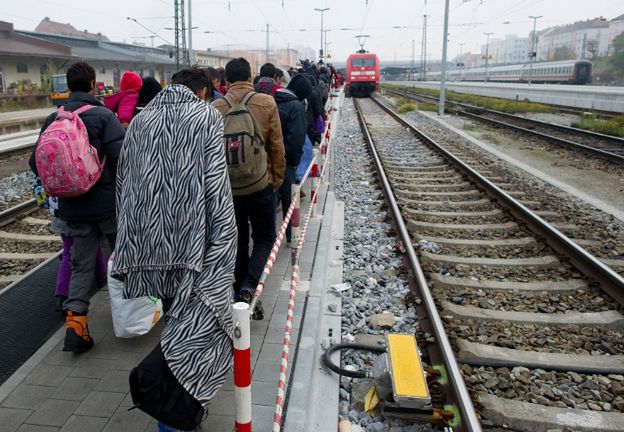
(83, 109)
(242, 102)
(225, 98)
(247, 97)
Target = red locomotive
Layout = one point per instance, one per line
(362, 74)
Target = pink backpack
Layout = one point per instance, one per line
(67, 163)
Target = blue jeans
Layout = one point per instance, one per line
(285, 194)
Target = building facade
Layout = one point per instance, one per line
(510, 50)
(582, 39)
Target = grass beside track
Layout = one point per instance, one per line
(613, 126)
(504, 105)
(405, 105)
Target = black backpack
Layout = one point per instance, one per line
(158, 393)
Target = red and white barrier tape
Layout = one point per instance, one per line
(242, 311)
(294, 281)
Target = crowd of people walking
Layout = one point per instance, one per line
(176, 180)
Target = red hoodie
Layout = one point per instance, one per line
(124, 103)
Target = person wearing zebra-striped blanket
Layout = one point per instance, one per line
(177, 232)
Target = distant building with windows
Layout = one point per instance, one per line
(583, 39)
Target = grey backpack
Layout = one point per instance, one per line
(246, 156)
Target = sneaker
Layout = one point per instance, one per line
(77, 338)
(258, 312)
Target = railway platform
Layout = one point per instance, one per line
(18, 121)
(578, 96)
(59, 391)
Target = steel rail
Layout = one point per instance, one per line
(611, 282)
(9, 215)
(593, 151)
(469, 418)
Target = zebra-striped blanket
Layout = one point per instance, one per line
(176, 234)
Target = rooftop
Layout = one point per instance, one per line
(52, 27)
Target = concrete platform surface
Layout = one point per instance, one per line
(25, 114)
(59, 391)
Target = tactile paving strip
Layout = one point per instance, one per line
(27, 318)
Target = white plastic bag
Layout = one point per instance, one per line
(131, 317)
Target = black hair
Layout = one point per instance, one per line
(194, 78)
(213, 73)
(279, 73)
(150, 88)
(267, 70)
(80, 75)
(237, 69)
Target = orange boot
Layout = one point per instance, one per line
(77, 338)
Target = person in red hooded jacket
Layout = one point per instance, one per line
(126, 100)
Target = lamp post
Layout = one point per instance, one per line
(460, 62)
(444, 49)
(533, 52)
(322, 11)
(487, 54)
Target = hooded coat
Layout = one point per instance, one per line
(125, 102)
(177, 235)
(294, 124)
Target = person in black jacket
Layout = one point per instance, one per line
(294, 127)
(91, 216)
(315, 109)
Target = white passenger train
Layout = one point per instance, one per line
(564, 72)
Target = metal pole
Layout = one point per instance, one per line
(412, 68)
(190, 34)
(460, 62)
(322, 11)
(325, 52)
(177, 33)
(534, 47)
(266, 55)
(487, 55)
(444, 47)
(322, 53)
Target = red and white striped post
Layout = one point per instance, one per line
(315, 181)
(242, 367)
(295, 219)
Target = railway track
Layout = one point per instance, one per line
(25, 241)
(606, 147)
(533, 318)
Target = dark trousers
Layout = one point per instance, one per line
(87, 237)
(285, 194)
(258, 211)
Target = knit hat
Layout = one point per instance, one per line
(130, 81)
(300, 86)
(149, 90)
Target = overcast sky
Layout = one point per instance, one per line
(240, 22)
